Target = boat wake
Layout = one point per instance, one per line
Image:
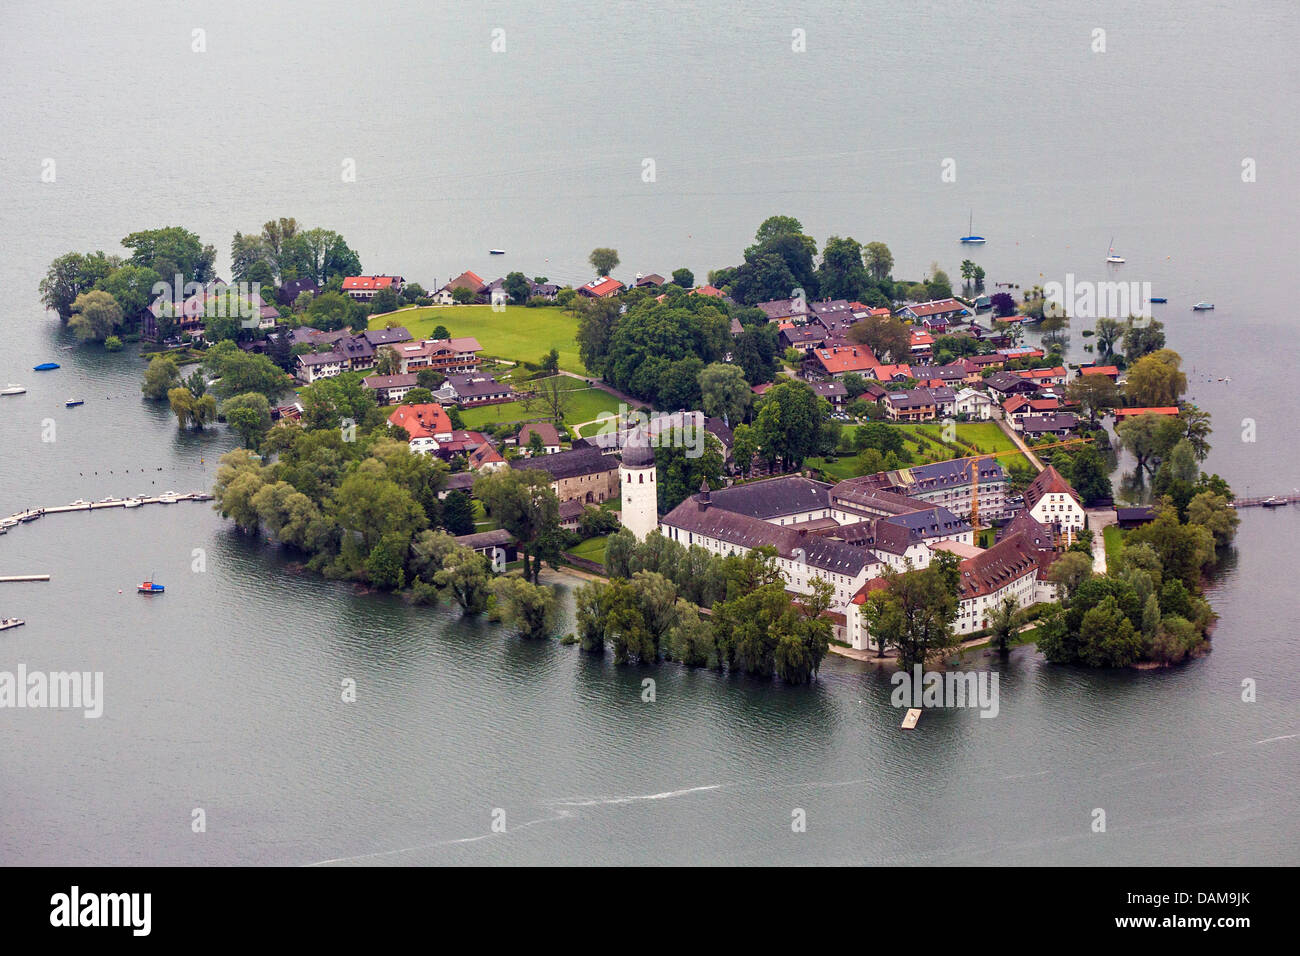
(614, 801)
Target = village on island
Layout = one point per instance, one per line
(801, 455)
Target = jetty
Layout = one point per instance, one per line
(1267, 501)
(166, 498)
(14, 578)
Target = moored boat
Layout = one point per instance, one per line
(11, 622)
(1203, 307)
(12, 389)
(496, 252)
(131, 503)
(74, 402)
(1159, 298)
(45, 367)
(1274, 502)
(150, 587)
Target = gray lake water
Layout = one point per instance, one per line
(224, 694)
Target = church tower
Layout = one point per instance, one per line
(640, 495)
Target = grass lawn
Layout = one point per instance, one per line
(481, 520)
(985, 436)
(593, 549)
(517, 332)
(586, 402)
(1114, 539)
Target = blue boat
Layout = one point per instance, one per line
(150, 587)
(1159, 298)
(74, 402)
(45, 367)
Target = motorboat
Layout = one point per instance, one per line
(1203, 307)
(12, 389)
(74, 402)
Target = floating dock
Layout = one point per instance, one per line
(31, 514)
(12, 578)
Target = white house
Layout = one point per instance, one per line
(1055, 505)
(974, 405)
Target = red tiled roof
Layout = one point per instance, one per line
(1048, 481)
(367, 282)
(709, 291)
(603, 286)
(854, 358)
(1099, 370)
(1133, 412)
(421, 421)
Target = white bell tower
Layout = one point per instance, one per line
(640, 490)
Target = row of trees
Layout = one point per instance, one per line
(647, 613)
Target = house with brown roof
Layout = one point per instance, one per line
(937, 314)
(466, 280)
(548, 434)
(448, 356)
(1009, 569)
(1054, 504)
(389, 389)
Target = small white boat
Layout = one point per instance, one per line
(496, 252)
(1112, 258)
(131, 503)
(11, 622)
(1203, 307)
(168, 497)
(79, 503)
(12, 389)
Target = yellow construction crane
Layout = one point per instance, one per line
(975, 473)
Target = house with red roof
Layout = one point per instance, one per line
(1045, 376)
(838, 361)
(426, 425)
(601, 288)
(1110, 371)
(710, 291)
(363, 288)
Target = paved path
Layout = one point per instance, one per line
(1098, 520)
(1015, 437)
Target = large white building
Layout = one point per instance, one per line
(1056, 505)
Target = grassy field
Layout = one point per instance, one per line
(985, 436)
(517, 333)
(593, 549)
(585, 403)
(1114, 539)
